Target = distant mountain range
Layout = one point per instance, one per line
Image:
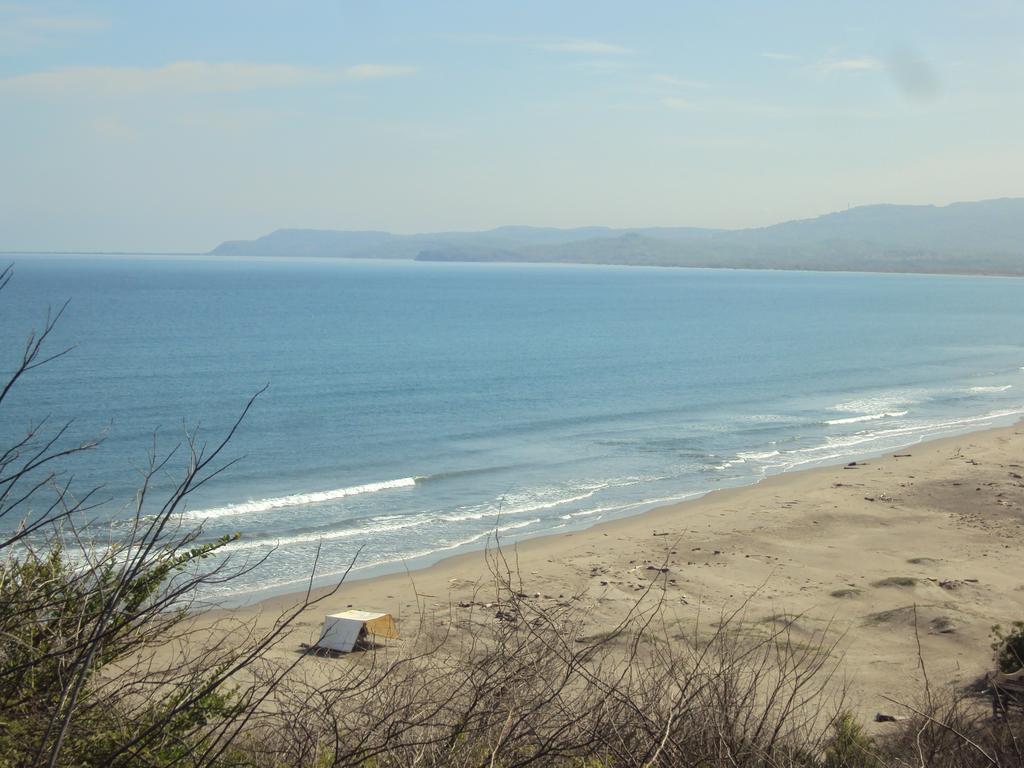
(985, 237)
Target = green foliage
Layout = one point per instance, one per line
(850, 746)
(64, 626)
(1008, 646)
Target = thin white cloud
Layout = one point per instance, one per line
(190, 77)
(679, 105)
(860, 64)
(591, 47)
(23, 29)
(776, 56)
(678, 82)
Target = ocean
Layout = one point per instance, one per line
(414, 410)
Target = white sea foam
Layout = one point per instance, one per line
(421, 553)
(494, 510)
(981, 390)
(521, 504)
(455, 545)
(757, 456)
(841, 447)
(297, 499)
(381, 525)
(880, 403)
(594, 511)
(743, 458)
(867, 417)
(643, 503)
(448, 547)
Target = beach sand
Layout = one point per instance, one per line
(922, 546)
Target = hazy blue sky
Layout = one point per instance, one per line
(138, 125)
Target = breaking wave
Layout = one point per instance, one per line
(884, 402)
(835, 448)
(754, 456)
(866, 417)
(297, 499)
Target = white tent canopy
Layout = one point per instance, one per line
(342, 630)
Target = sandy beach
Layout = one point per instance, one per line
(921, 546)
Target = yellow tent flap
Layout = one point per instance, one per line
(384, 626)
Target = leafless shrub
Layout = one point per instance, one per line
(81, 619)
(521, 684)
(955, 730)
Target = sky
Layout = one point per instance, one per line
(132, 126)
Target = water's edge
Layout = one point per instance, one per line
(298, 588)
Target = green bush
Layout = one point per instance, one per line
(850, 746)
(1008, 646)
(68, 634)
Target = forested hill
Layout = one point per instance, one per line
(985, 237)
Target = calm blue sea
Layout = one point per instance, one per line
(415, 408)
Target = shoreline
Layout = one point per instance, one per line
(296, 589)
(921, 545)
